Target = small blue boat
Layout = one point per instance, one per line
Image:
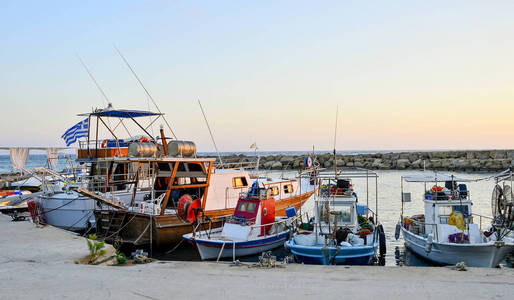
(343, 232)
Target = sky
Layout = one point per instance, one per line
(403, 75)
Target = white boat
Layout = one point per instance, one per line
(252, 229)
(446, 233)
(344, 231)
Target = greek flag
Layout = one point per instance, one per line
(79, 130)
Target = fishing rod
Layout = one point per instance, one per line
(210, 132)
(144, 88)
(106, 99)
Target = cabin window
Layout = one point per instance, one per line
(239, 182)
(346, 215)
(447, 210)
(247, 207)
(274, 191)
(288, 189)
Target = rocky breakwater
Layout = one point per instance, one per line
(468, 161)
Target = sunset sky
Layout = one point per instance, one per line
(404, 74)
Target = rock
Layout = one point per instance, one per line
(358, 163)
(276, 165)
(376, 163)
(327, 164)
(413, 157)
(435, 163)
(268, 164)
(402, 163)
(482, 155)
(510, 154)
(385, 165)
(404, 155)
(417, 164)
(500, 154)
(297, 164)
(286, 160)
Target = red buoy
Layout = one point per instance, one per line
(186, 208)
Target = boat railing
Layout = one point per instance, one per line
(480, 219)
(423, 224)
(274, 226)
(235, 165)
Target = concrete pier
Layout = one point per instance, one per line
(37, 263)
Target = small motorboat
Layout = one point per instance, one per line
(15, 200)
(343, 231)
(252, 229)
(446, 233)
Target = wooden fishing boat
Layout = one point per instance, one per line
(175, 205)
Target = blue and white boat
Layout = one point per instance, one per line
(343, 231)
(252, 229)
(447, 233)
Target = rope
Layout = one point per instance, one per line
(175, 248)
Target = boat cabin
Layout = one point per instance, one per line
(339, 203)
(256, 208)
(448, 211)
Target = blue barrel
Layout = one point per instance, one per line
(291, 212)
(361, 209)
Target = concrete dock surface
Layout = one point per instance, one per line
(37, 263)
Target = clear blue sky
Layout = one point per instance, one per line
(405, 74)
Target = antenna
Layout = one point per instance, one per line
(210, 132)
(107, 100)
(335, 136)
(144, 88)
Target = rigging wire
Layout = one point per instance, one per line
(144, 88)
(106, 99)
(210, 132)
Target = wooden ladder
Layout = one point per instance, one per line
(116, 220)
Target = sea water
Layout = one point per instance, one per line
(389, 195)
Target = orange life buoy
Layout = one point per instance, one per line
(144, 140)
(104, 143)
(437, 188)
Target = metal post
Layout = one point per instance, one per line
(376, 199)
(367, 191)
(234, 251)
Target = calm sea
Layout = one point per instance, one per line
(389, 205)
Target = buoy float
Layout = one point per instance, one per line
(187, 208)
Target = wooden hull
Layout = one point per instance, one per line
(139, 229)
(136, 229)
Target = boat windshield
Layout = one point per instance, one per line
(245, 206)
(343, 214)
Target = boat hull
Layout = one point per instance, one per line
(210, 249)
(473, 255)
(141, 229)
(321, 255)
(169, 229)
(73, 213)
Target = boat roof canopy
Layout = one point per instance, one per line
(435, 177)
(122, 113)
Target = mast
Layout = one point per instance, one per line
(335, 137)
